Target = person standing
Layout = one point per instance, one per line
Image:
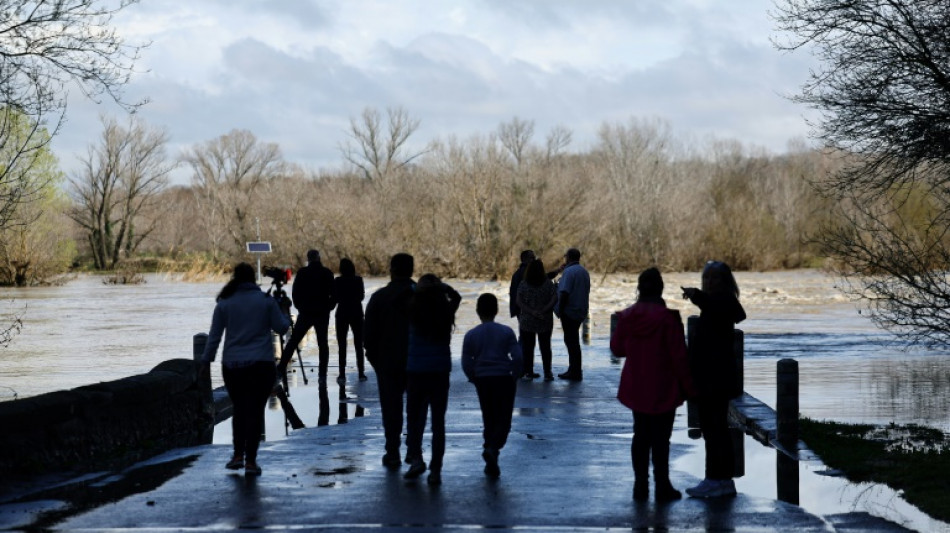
(573, 306)
(431, 321)
(313, 297)
(348, 291)
(714, 366)
(526, 257)
(491, 359)
(386, 341)
(653, 383)
(245, 316)
(536, 297)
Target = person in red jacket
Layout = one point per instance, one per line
(655, 381)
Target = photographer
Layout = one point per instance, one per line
(313, 297)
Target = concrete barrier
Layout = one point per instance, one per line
(106, 424)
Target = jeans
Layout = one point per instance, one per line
(320, 323)
(392, 387)
(496, 397)
(651, 436)
(344, 323)
(572, 341)
(714, 423)
(425, 391)
(527, 350)
(249, 388)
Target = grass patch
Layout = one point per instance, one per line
(912, 459)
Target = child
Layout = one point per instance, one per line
(491, 359)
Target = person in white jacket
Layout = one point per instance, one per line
(245, 316)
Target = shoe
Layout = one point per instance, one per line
(341, 379)
(712, 488)
(571, 376)
(666, 493)
(251, 469)
(490, 455)
(435, 478)
(416, 469)
(525, 377)
(235, 463)
(641, 491)
(533, 375)
(391, 461)
(548, 376)
(363, 377)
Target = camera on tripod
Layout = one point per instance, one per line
(279, 275)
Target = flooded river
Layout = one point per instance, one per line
(86, 331)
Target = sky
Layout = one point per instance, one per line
(294, 72)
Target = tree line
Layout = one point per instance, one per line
(637, 196)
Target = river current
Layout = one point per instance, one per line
(86, 331)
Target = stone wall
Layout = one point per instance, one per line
(107, 424)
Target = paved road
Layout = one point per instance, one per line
(566, 468)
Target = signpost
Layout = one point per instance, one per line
(258, 248)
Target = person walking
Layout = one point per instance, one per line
(431, 321)
(572, 308)
(386, 341)
(714, 366)
(491, 359)
(348, 291)
(245, 316)
(312, 294)
(536, 298)
(654, 381)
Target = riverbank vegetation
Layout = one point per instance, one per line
(911, 459)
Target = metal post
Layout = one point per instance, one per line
(203, 383)
(786, 404)
(585, 329)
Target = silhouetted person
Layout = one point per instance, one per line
(573, 305)
(313, 297)
(491, 359)
(714, 369)
(536, 297)
(386, 340)
(526, 257)
(245, 316)
(431, 320)
(654, 381)
(348, 292)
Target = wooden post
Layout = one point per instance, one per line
(786, 404)
(585, 329)
(613, 327)
(692, 406)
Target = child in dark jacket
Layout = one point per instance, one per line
(491, 359)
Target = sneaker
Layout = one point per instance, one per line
(713, 488)
(251, 469)
(391, 461)
(548, 376)
(236, 463)
(571, 376)
(435, 478)
(416, 469)
(666, 493)
(490, 455)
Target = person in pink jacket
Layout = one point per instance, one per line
(655, 381)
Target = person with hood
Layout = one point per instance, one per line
(245, 317)
(491, 360)
(655, 380)
(714, 365)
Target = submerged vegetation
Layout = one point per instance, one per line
(908, 458)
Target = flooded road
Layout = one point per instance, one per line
(86, 331)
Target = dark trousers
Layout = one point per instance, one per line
(527, 339)
(249, 387)
(392, 387)
(714, 423)
(355, 323)
(425, 391)
(320, 323)
(496, 397)
(651, 436)
(572, 341)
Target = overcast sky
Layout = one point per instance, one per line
(295, 71)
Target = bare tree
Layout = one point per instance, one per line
(380, 150)
(515, 136)
(121, 176)
(45, 48)
(228, 173)
(884, 91)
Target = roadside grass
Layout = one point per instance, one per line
(910, 458)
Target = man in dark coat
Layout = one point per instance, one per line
(312, 293)
(386, 341)
(526, 257)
